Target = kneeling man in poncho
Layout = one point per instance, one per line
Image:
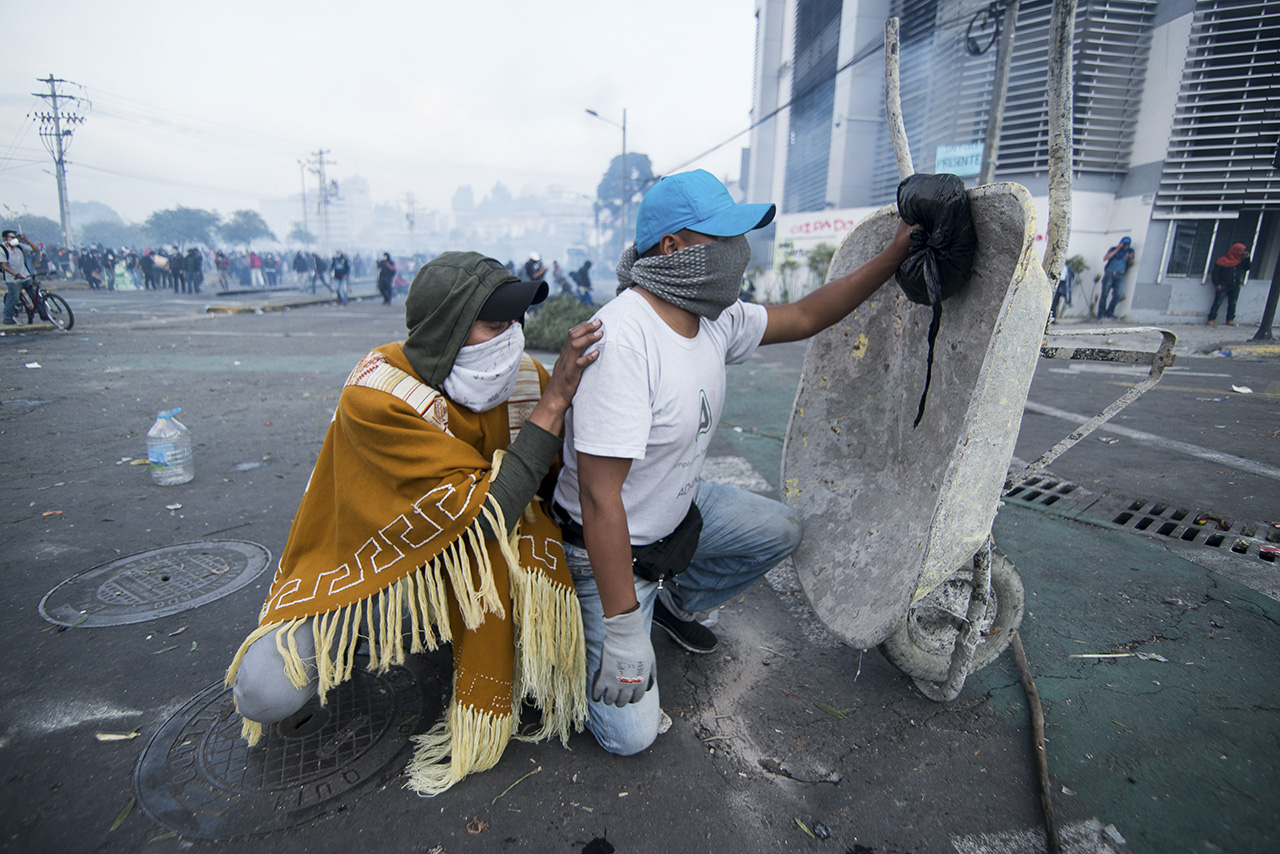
(422, 518)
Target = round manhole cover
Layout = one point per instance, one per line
(198, 777)
(155, 583)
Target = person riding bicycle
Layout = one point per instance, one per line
(15, 270)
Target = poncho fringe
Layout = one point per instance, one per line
(550, 653)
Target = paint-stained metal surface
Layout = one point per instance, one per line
(890, 511)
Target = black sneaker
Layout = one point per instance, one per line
(690, 634)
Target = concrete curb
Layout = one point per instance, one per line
(255, 308)
(1260, 348)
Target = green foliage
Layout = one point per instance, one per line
(1077, 263)
(786, 266)
(548, 327)
(300, 235)
(182, 225)
(113, 234)
(244, 227)
(820, 259)
(640, 178)
(41, 229)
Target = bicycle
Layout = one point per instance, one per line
(34, 299)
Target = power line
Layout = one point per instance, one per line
(19, 136)
(293, 144)
(167, 126)
(872, 47)
(155, 180)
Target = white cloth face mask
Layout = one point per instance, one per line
(484, 374)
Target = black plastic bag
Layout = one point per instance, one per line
(941, 254)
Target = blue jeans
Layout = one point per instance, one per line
(1113, 282)
(744, 535)
(1230, 295)
(12, 287)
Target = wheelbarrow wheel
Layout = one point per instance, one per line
(921, 646)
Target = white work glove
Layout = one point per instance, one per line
(626, 661)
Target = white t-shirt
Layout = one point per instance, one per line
(654, 397)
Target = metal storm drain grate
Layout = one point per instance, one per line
(1175, 523)
(155, 583)
(197, 776)
(1047, 491)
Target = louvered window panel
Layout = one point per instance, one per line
(1111, 45)
(1227, 122)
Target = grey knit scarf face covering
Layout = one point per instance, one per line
(703, 279)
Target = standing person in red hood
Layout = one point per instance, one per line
(255, 270)
(1227, 277)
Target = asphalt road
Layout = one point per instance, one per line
(785, 728)
(1190, 441)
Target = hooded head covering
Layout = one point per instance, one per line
(444, 300)
(1233, 257)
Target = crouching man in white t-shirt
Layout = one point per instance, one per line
(638, 433)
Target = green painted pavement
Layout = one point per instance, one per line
(1180, 755)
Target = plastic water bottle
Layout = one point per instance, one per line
(169, 450)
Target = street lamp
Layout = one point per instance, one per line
(626, 202)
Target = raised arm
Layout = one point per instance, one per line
(816, 311)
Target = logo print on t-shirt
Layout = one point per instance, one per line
(704, 415)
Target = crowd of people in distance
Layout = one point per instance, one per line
(535, 270)
(170, 268)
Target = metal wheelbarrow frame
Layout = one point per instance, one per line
(897, 549)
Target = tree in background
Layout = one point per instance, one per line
(609, 196)
(298, 234)
(41, 229)
(786, 267)
(182, 225)
(819, 260)
(244, 227)
(114, 234)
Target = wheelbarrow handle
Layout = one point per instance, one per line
(1158, 359)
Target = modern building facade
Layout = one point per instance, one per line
(1175, 136)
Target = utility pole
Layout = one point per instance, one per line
(318, 170)
(56, 128)
(302, 171)
(626, 198)
(410, 217)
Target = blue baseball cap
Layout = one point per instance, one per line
(699, 202)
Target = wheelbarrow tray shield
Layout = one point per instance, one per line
(890, 511)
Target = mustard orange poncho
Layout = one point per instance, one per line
(391, 526)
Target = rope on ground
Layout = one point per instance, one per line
(1052, 841)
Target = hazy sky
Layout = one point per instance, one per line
(211, 105)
